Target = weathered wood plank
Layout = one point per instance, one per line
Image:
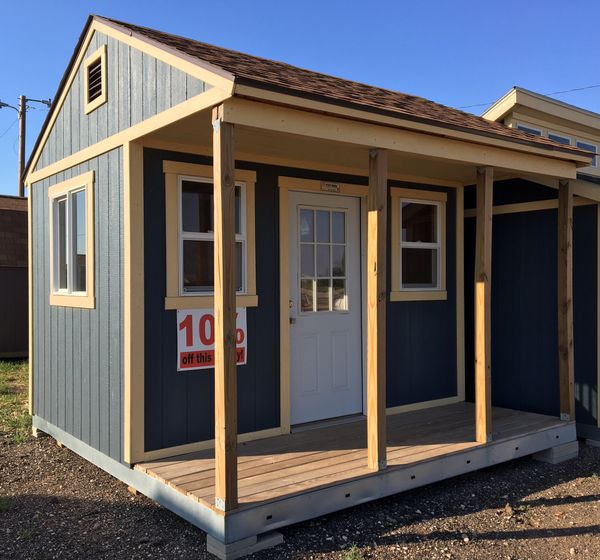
(376, 306)
(566, 362)
(483, 309)
(225, 351)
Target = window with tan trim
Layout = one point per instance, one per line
(190, 236)
(94, 77)
(418, 245)
(72, 242)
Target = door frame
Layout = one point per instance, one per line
(285, 185)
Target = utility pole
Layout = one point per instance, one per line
(22, 112)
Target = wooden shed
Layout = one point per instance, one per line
(13, 276)
(248, 295)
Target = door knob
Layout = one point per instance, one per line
(292, 320)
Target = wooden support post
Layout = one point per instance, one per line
(376, 303)
(566, 364)
(483, 306)
(224, 301)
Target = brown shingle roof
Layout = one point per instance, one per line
(271, 74)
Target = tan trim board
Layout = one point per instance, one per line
(88, 300)
(421, 194)
(422, 405)
(193, 105)
(133, 281)
(30, 295)
(430, 295)
(460, 293)
(300, 164)
(199, 170)
(243, 91)
(532, 206)
(311, 185)
(206, 444)
(260, 115)
(90, 106)
(206, 302)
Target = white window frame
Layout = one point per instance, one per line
(66, 191)
(578, 141)
(559, 135)
(529, 127)
(422, 245)
(210, 236)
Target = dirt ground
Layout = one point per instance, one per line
(53, 504)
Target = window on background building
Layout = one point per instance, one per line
(590, 148)
(565, 140)
(529, 129)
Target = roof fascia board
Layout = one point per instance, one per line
(560, 106)
(244, 91)
(192, 106)
(204, 71)
(293, 121)
(502, 107)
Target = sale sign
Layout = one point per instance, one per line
(196, 338)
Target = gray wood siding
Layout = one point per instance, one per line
(78, 353)
(139, 87)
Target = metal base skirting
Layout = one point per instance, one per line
(235, 534)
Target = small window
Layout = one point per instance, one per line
(95, 80)
(72, 242)
(189, 236)
(565, 140)
(590, 148)
(418, 245)
(529, 129)
(197, 236)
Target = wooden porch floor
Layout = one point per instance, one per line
(288, 465)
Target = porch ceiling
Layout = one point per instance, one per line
(194, 134)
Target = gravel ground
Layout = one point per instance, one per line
(54, 504)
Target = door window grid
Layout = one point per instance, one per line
(322, 260)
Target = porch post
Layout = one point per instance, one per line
(376, 303)
(483, 309)
(224, 300)
(566, 365)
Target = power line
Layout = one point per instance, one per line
(11, 125)
(548, 94)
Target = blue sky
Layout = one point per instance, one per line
(459, 53)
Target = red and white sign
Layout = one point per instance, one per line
(196, 338)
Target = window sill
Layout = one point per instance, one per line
(433, 295)
(206, 302)
(83, 302)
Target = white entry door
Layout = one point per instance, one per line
(325, 306)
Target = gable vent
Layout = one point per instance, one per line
(94, 80)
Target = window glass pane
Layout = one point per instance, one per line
(80, 241)
(239, 266)
(560, 139)
(323, 295)
(529, 130)
(419, 268)
(340, 301)
(306, 295)
(307, 226)
(198, 266)
(589, 148)
(419, 222)
(197, 207)
(338, 260)
(338, 227)
(323, 263)
(322, 226)
(61, 237)
(238, 210)
(307, 261)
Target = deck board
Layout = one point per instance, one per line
(282, 466)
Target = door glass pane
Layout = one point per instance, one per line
(323, 295)
(307, 260)
(197, 207)
(323, 262)
(338, 227)
(306, 295)
(307, 225)
(198, 271)
(239, 266)
(340, 301)
(419, 268)
(80, 241)
(61, 238)
(419, 222)
(238, 210)
(338, 260)
(322, 226)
